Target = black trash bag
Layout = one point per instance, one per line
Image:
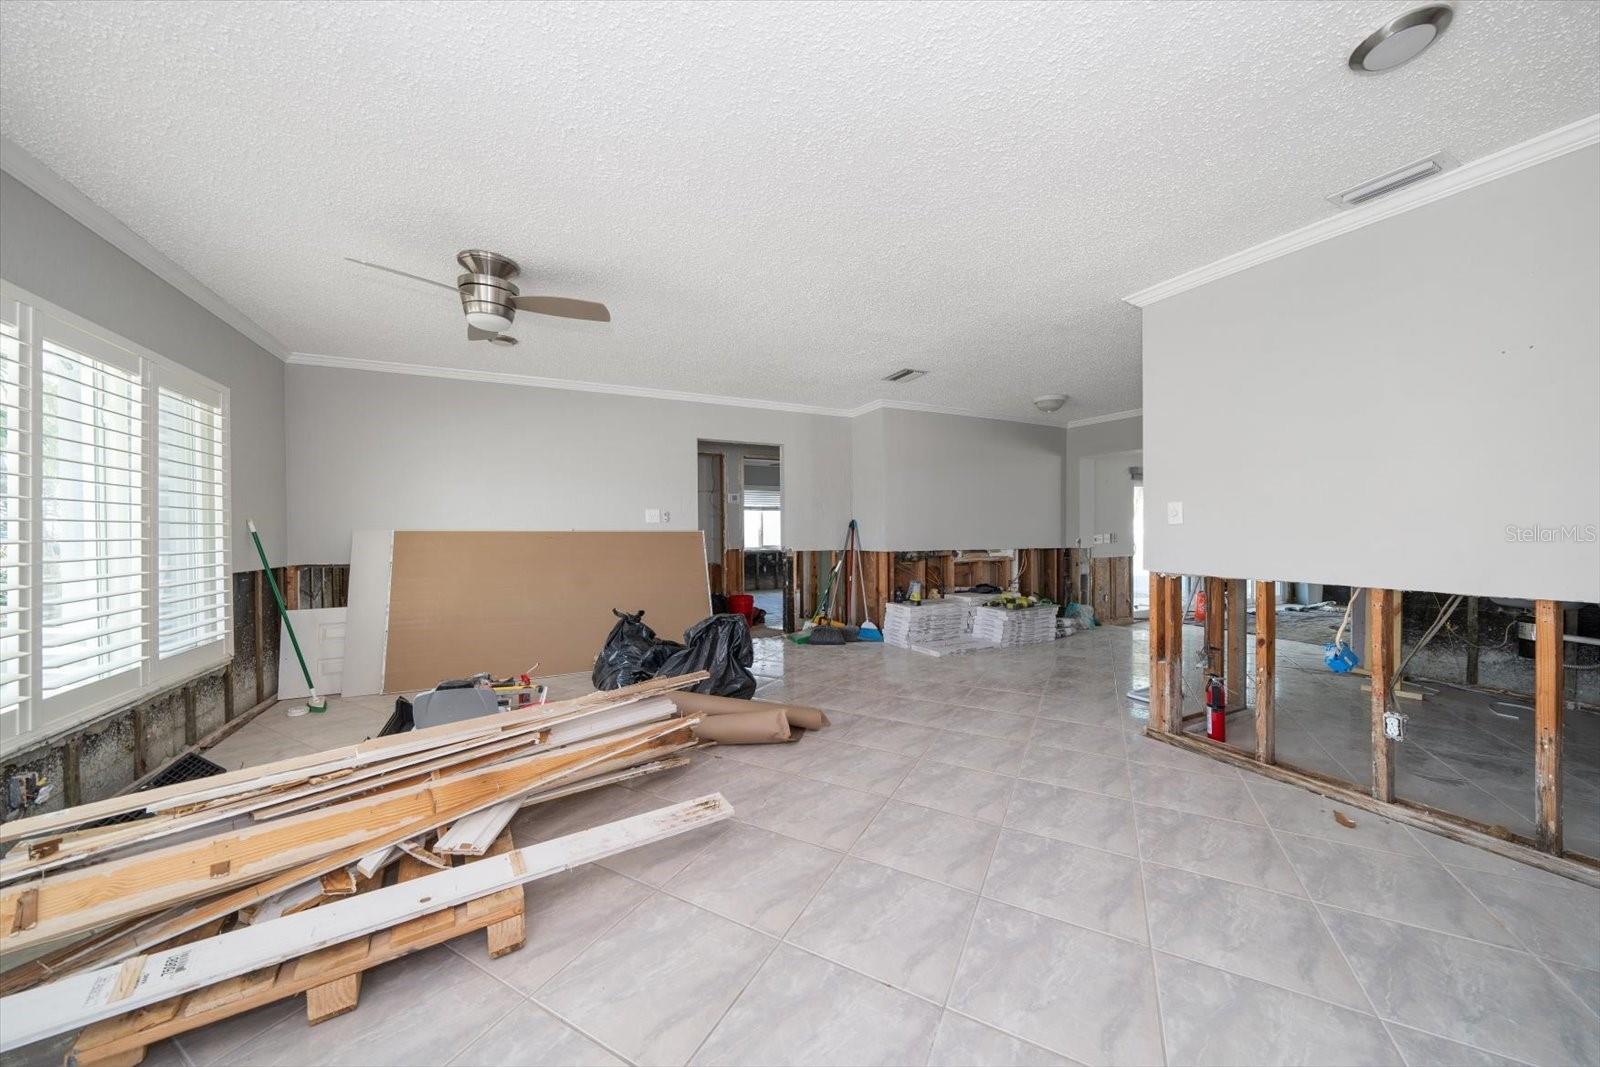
(632, 653)
(721, 646)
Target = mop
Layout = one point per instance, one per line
(314, 703)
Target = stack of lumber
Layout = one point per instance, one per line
(1011, 627)
(908, 625)
(296, 851)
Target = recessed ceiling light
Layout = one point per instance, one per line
(1401, 40)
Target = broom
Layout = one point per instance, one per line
(314, 703)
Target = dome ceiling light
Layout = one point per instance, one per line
(1401, 40)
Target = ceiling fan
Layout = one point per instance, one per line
(491, 301)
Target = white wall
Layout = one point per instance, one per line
(1383, 405)
(1085, 446)
(950, 481)
(373, 450)
(50, 254)
(1105, 502)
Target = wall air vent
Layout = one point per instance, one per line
(904, 374)
(1395, 180)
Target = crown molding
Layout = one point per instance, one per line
(420, 370)
(1547, 146)
(22, 166)
(313, 359)
(939, 409)
(1115, 416)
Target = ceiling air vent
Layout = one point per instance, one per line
(904, 374)
(1396, 180)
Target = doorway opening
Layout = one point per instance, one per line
(741, 515)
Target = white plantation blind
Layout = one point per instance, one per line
(192, 507)
(114, 555)
(15, 610)
(92, 514)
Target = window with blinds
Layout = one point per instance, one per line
(192, 572)
(15, 653)
(114, 562)
(92, 566)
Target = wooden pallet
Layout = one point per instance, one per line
(330, 978)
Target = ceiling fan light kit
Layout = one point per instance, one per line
(490, 300)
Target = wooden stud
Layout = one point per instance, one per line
(1234, 601)
(191, 717)
(1216, 628)
(1266, 669)
(256, 582)
(1166, 653)
(71, 779)
(291, 588)
(1472, 640)
(1382, 657)
(141, 745)
(1548, 697)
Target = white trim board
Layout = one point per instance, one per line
(423, 370)
(1547, 146)
(21, 165)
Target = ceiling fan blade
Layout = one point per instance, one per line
(403, 274)
(504, 340)
(563, 307)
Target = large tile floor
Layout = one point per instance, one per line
(981, 861)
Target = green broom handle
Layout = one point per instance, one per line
(283, 611)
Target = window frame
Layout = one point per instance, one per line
(40, 718)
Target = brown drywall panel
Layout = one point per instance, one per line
(467, 601)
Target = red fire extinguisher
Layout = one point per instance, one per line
(1216, 709)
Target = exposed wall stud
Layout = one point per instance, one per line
(1382, 657)
(1266, 670)
(1548, 695)
(1236, 658)
(191, 718)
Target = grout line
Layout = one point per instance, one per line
(1149, 934)
(1542, 961)
(1322, 919)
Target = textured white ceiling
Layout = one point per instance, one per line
(781, 201)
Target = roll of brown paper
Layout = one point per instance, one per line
(763, 727)
(702, 704)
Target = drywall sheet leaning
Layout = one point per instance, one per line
(322, 641)
(371, 553)
(468, 601)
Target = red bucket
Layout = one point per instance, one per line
(743, 604)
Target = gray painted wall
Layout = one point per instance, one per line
(870, 478)
(52, 255)
(1383, 405)
(1084, 446)
(1106, 502)
(950, 481)
(372, 450)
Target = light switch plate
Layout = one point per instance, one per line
(652, 515)
(1174, 513)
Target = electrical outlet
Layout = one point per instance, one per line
(1394, 726)
(1174, 513)
(666, 516)
(652, 515)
